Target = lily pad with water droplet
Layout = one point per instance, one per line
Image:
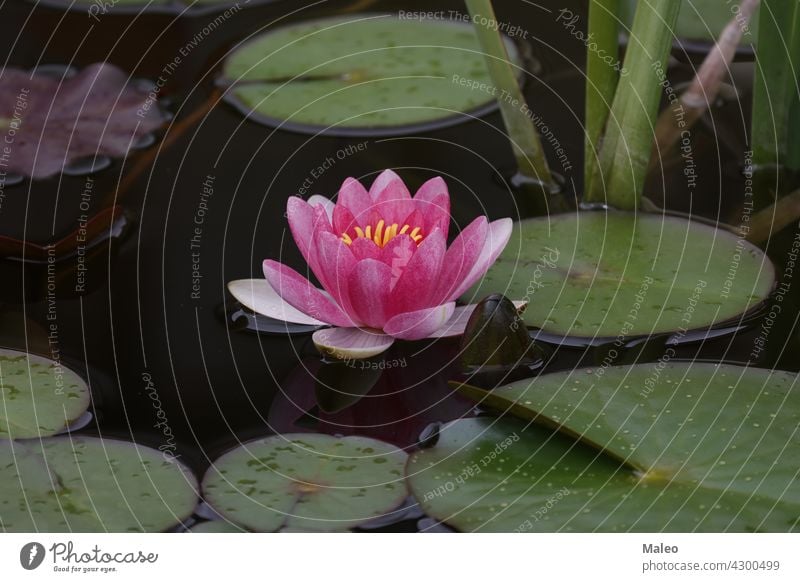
(38, 396)
(306, 481)
(618, 275)
(650, 447)
(354, 75)
(84, 484)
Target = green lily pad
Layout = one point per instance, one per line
(84, 484)
(660, 447)
(616, 274)
(306, 481)
(352, 74)
(38, 397)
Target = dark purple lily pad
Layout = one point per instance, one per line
(49, 122)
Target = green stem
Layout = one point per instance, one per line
(531, 161)
(601, 79)
(775, 93)
(628, 140)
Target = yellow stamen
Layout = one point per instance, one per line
(378, 232)
(382, 233)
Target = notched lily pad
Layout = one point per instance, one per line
(651, 447)
(352, 75)
(50, 122)
(306, 481)
(615, 274)
(83, 484)
(38, 397)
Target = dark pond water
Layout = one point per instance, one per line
(151, 312)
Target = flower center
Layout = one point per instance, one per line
(382, 234)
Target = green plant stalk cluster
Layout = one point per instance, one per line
(625, 151)
(525, 141)
(601, 79)
(776, 101)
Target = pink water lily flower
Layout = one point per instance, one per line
(381, 257)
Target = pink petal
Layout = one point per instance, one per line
(351, 343)
(354, 197)
(365, 248)
(298, 292)
(496, 241)
(344, 221)
(304, 221)
(397, 254)
(369, 291)
(460, 259)
(418, 279)
(259, 296)
(335, 263)
(420, 324)
(433, 201)
(391, 198)
(326, 203)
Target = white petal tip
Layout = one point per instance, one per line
(259, 296)
(351, 343)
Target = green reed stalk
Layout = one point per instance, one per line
(776, 119)
(628, 141)
(531, 161)
(602, 78)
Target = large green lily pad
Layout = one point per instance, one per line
(616, 274)
(306, 481)
(38, 397)
(374, 71)
(84, 484)
(650, 447)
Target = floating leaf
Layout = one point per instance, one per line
(83, 484)
(306, 481)
(346, 74)
(612, 274)
(38, 397)
(689, 447)
(51, 122)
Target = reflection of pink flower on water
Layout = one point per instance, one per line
(381, 257)
(48, 122)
